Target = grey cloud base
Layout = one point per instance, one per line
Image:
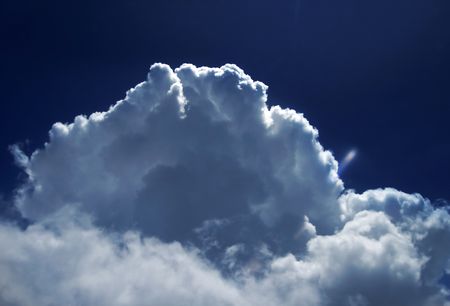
(192, 191)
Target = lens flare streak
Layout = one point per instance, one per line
(349, 157)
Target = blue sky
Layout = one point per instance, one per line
(310, 170)
(373, 76)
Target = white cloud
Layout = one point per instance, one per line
(65, 261)
(369, 261)
(428, 227)
(80, 265)
(193, 191)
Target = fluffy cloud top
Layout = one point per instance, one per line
(192, 191)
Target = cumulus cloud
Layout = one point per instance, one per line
(183, 147)
(193, 190)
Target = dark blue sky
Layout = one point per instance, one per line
(369, 75)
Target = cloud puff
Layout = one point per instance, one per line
(428, 227)
(75, 264)
(192, 190)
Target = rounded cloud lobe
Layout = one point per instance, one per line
(193, 191)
